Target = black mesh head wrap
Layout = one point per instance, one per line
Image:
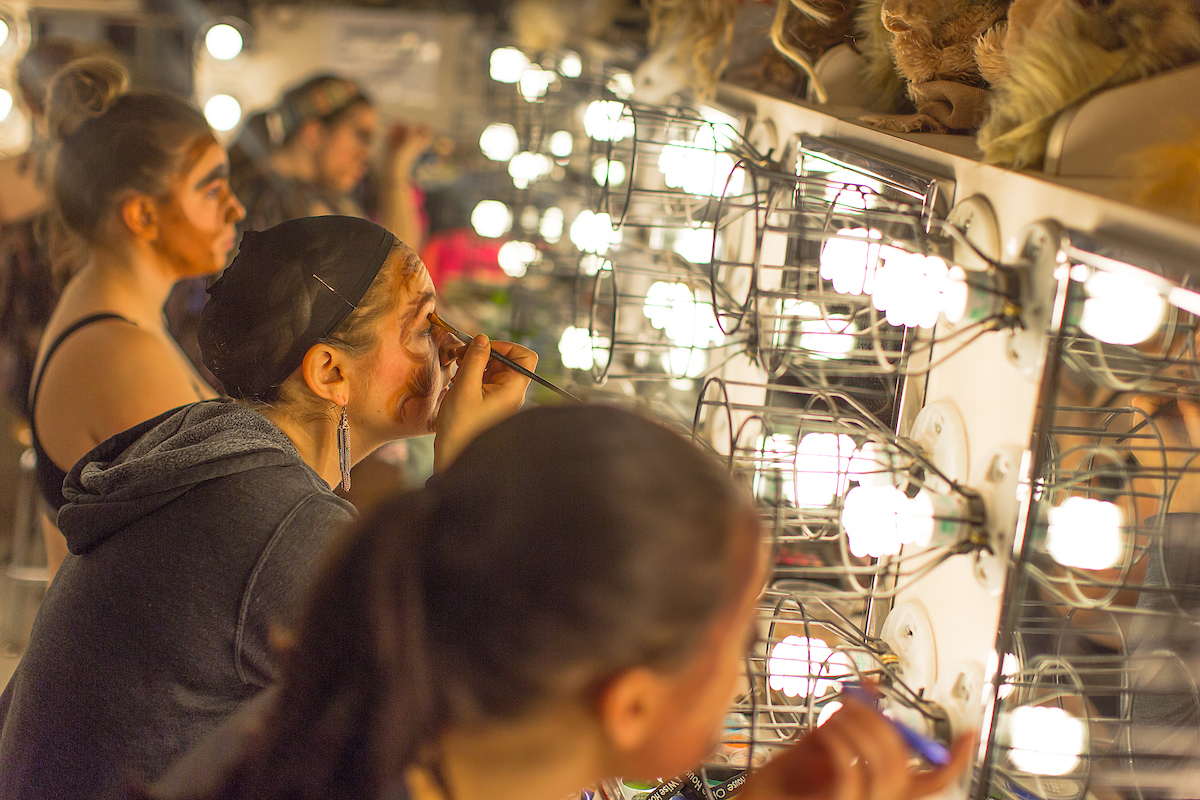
(289, 287)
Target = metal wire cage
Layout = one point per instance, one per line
(1097, 691)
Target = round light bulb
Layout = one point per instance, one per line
(491, 218)
(3, 32)
(571, 65)
(608, 173)
(499, 141)
(590, 264)
(908, 288)
(516, 257)
(850, 260)
(701, 166)
(223, 112)
(822, 468)
(507, 65)
(1085, 533)
(6, 104)
(1045, 740)
(880, 520)
(606, 121)
(562, 143)
(534, 82)
(1120, 309)
(621, 84)
(687, 321)
(873, 465)
(551, 226)
(1011, 666)
(824, 337)
(799, 666)
(694, 244)
(528, 167)
(576, 346)
(223, 42)
(593, 233)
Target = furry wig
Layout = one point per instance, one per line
(1059, 52)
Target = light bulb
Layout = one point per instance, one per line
(688, 362)
(621, 84)
(799, 666)
(576, 347)
(1012, 665)
(507, 64)
(828, 711)
(777, 462)
(590, 264)
(499, 141)
(1085, 533)
(873, 465)
(694, 244)
(3, 32)
(701, 166)
(491, 218)
(1120, 309)
(223, 112)
(551, 226)
(908, 288)
(606, 121)
(571, 65)
(608, 173)
(822, 468)
(561, 144)
(688, 322)
(880, 520)
(6, 104)
(534, 82)
(1045, 740)
(223, 42)
(850, 259)
(515, 257)
(593, 233)
(824, 337)
(526, 168)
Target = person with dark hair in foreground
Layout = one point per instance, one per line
(193, 535)
(570, 600)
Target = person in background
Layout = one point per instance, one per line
(142, 185)
(29, 283)
(193, 534)
(568, 601)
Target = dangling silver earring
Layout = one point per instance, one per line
(343, 443)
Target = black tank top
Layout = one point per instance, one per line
(49, 477)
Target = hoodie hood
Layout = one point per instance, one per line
(139, 471)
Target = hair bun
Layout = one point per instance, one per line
(83, 90)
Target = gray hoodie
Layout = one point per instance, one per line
(193, 536)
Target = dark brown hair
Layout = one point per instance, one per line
(40, 63)
(113, 143)
(563, 546)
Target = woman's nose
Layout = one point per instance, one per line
(236, 212)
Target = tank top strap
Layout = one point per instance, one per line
(62, 337)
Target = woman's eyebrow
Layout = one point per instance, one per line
(415, 309)
(219, 172)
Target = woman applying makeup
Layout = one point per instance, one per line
(193, 534)
(142, 188)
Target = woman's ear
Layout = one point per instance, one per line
(630, 706)
(139, 214)
(323, 372)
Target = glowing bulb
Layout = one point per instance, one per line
(695, 244)
(551, 226)
(606, 121)
(571, 65)
(909, 288)
(499, 141)
(879, 520)
(828, 711)
(1012, 665)
(621, 85)
(688, 322)
(685, 362)
(1121, 309)
(593, 233)
(824, 337)
(822, 468)
(591, 264)
(576, 347)
(700, 166)
(223, 112)
(873, 465)
(777, 462)
(3, 32)
(507, 64)
(849, 260)
(534, 82)
(491, 218)
(1045, 740)
(608, 173)
(561, 144)
(1085, 533)
(516, 257)
(800, 666)
(6, 104)
(223, 42)
(526, 168)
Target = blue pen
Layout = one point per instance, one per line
(932, 751)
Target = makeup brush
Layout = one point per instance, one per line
(508, 362)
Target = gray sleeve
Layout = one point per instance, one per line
(277, 586)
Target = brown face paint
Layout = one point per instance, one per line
(423, 385)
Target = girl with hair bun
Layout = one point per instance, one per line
(142, 186)
(193, 534)
(569, 601)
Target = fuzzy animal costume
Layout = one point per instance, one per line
(1057, 52)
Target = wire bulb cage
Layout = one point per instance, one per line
(847, 503)
(1101, 694)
